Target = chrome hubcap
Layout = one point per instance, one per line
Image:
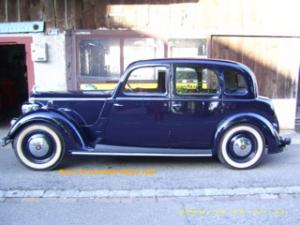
(242, 146)
(38, 145)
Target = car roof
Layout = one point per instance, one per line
(214, 62)
(220, 62)
(208, 61)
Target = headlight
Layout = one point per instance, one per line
(28, 107)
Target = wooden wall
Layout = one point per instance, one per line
(270, 58)
(274, 60)
(63, 14)
(203, 17)
(72, 14)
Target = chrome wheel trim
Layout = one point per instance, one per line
(38, 145)
(242, 146)
(259, 149)
(20, 150)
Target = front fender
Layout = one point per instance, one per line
(70, 131)
(270, 133)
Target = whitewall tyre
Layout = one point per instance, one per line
(242, 147)
(39, 147)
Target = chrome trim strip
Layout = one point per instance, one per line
(67, 99)
(143, 98)
(141, 154)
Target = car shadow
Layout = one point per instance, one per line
(75, 162)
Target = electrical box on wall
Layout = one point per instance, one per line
(39, 52)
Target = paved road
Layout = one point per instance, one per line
(276, 170)
(264, 210)
(183, 177)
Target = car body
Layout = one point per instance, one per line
(160, 107)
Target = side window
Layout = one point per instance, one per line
(195, 80)
(234, 83)
(146, 80)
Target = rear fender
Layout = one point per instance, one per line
(267, 129)
(73, 137)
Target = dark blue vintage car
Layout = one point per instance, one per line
(161, 107)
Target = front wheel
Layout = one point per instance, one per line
(39, 147)
(242, 147)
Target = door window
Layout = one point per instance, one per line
(195, 80)
(234, 83)
(146, 80)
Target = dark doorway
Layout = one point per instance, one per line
(13, 81)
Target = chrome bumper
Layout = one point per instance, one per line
(6, 140)
(284, 141)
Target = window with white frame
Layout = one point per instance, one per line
(187, 48)
(142, 48)
(98, 59)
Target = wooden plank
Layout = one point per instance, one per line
(247, 53)
(35, 10)
(74, 14)
(273, 63)
(59, 12)
(274, 60)
(89, 14)
(69, 24)
(12, 11)
(47, 7)
(101, 13)
(268, 72)
(24, 10)
(2, 11)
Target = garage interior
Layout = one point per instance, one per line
(13, 81)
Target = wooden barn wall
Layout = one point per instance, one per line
(274, 60)
(199, 16)
(73, 14)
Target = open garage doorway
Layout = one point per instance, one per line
(16, 76)
(13, 80)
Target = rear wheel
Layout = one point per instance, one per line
(242, 147)
(39, 147)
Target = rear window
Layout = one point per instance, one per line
(234, 83)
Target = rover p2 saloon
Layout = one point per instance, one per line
(160, 107)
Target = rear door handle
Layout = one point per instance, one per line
(118, 105)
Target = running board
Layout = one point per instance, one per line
(112, 150)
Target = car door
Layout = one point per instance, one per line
(195, 105)
(139, 113)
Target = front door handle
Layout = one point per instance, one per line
(118, 105)
(176, 105)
